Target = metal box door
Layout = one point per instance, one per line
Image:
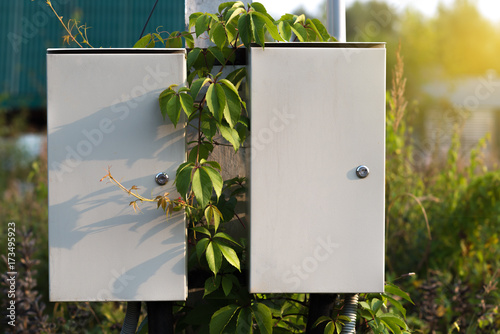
(103, 111)
(317, 113)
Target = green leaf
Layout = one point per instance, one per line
(213, 212)
(192, 19)
(393, 327)
(392, 318)
(230, 255)
(321, 320)
(165, 96)
(237, 76)
(273, 31)
(263, 317)
(225, 5)
(211, 284)
(257, 6)
(300, 32)
(244, 322)
(202, 186)
(216, 100)
(231, 135)
(285, 30)
(216, 179)
(234, 14)
(338, 326)
(209, 212)
(329, 328)
(208, 126)
(182, 166)
(201, 247)
(242, 132)
(344, 318)
(397, 305)
(221, 318)
(214, 257)
(239, 4)
(214, 164)
(245, 30)
(174, 40)
(189, 39)
(312, 26)
(187, 103)
(202, 24)
(392, 289)
(218, 35)
(146, 41)
(232, 33)
(192, 57)
(286, 17)
(300, 19)
(174, 109)
(232, 110)
(245, 121)
(201, 229)
(183, 179)
(197, 85)
(376, 304)
(226, 207)
(257, 24)
(230, 85)
(365, 305)
(227, 285)
(321, 29)
(217, 53)
(158, 37)
(225, 236)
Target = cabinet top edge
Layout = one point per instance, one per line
(115, 51)
(337, 45)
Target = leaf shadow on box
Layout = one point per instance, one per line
(133, 139)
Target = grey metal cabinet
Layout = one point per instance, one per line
(103, 111)
(317, 215)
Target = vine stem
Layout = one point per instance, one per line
(128, 191)
(136, 195)
(62, 22)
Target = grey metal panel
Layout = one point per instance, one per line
(316, 114)
(103, 111)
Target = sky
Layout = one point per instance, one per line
(489, 8)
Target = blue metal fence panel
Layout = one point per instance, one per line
(28, 28)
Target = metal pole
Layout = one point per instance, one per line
(336, 19)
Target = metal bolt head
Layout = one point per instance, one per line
(362, 171)
(161, 178)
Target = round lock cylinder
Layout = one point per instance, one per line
(161, 178)
(362, 171)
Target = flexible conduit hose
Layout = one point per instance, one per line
(350, 307)
(131, 318)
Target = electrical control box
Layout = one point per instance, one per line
(317, 167)
(103, 114)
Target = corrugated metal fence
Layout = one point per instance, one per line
(28, 28)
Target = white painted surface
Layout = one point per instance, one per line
(103, 111)
(317, 114)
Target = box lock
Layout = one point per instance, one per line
(161, 178)
(362, 171)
